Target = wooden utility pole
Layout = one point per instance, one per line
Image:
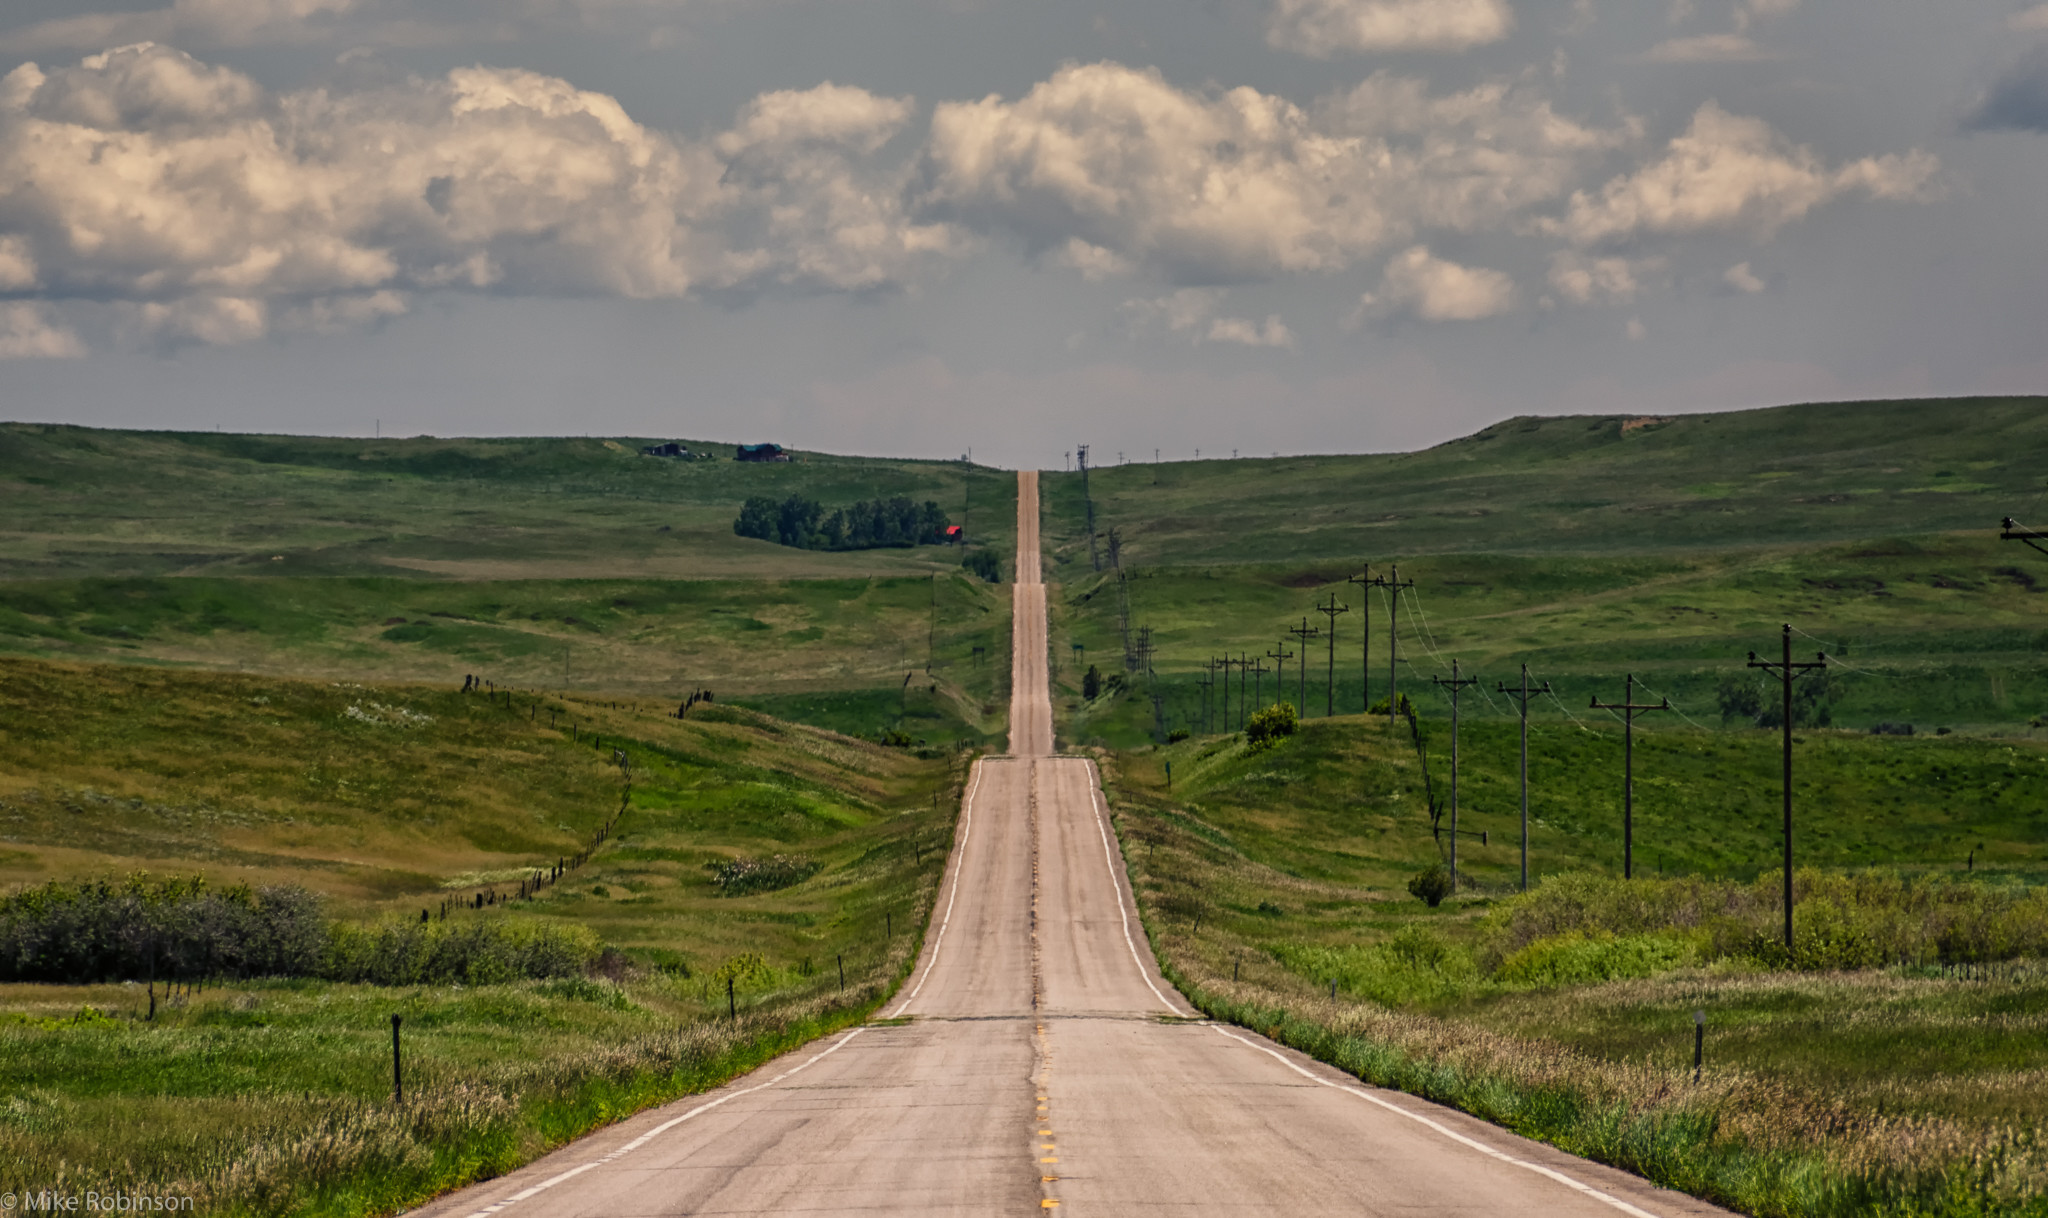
(1331, 610)
(1304, 632)
(1456, 685)
(1280, 659)
(1364, 580)
(1629, 709)
(1787, 671)
(1088, 504)
(1259, 682)
(1393, 584)
(1522, 694)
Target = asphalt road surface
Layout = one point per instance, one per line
(1045, 1064)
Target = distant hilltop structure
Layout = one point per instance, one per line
(760, 452)
(670, 449)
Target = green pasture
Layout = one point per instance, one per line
(394, 800)
(86, 502)
(1789, 475)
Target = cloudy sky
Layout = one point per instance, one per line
(920, 226)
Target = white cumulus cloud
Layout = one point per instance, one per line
(146, 176)
(1270, 333)
(1417, 283)
(29, 331)
(1238, 185)
(1728, 172)
(1741, 278)
(1586, 280)
(1323, 28)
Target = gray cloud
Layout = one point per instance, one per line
(1240, 185)
(2018, 99)
(212, 209)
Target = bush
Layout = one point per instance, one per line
(1406, 708)
(1431, 885)
(1091, 683)
(183, 930)
(1577, 958)
(870, 524)
(1176, 735)
(983, 563)
(1270, 726)
(101, 930)
(738, 877)
(480, 950)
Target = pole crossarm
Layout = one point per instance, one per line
(1522, 693)
(1789, 672)
(1456, 685)
(1630, 708)
(2011, 530)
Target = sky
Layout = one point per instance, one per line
(930, 227)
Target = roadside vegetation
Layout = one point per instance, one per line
(573, 921)
(1892, 1064)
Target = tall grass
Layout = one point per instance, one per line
(1839, 921)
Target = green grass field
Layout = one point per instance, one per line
(268, 1096)
(1266, 878)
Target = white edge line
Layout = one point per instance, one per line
(660, 1129)
(1116, 886)
(1445, 1130)
(959, 854)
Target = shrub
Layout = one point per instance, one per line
(1578, 958)
(101, 930)
(1091, 683)
(738, 877)
(480, 950)
(1406, 708)
(1431, 885)
(1270, 726)
(1176, 735)
(983, 563)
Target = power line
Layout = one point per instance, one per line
(1331, 611)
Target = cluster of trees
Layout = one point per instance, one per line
(186, 930)
(867, 525)
(1744, 697)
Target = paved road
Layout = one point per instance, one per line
(1046, 1064)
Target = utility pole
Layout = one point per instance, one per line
(1304, 632)
(1259, 682)
(1331, 611)
(1280, 659)
(1629, 708)
(2014, 532)
(1364, 580)
(1228, 664)
(1081, 451)
(1522, 693)
(1787, 671)
(1392, 583)
(1208, 684)
(1456, 685)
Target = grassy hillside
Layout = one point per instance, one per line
(1273, 887)
(572, 564)
(1871, 527)
(87, 502)
(271, 1096)
(1584, 484)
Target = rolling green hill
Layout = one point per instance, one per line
(1590, 549)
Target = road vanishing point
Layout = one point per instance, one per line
(1036, 1061)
